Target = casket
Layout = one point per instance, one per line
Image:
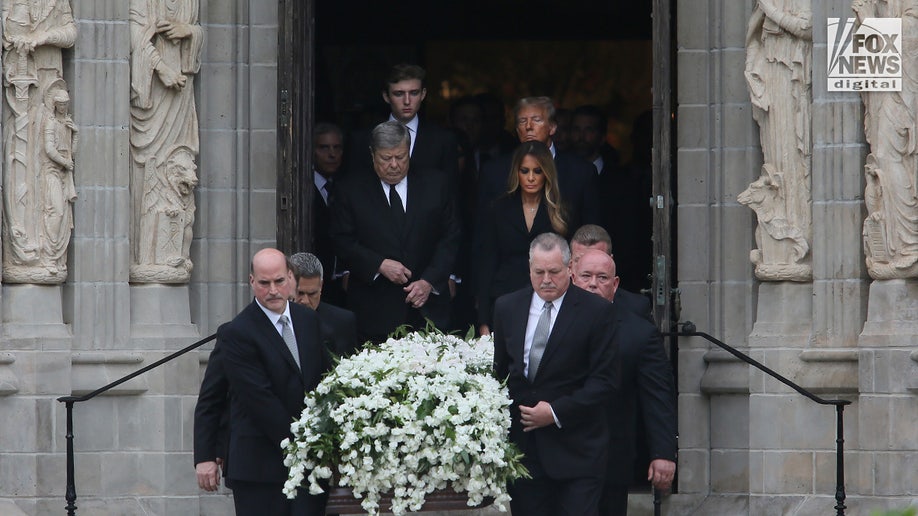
(341, 501)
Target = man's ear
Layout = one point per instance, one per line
(385, 97)
(423, 94)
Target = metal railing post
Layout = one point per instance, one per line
(689, 330)
(840, 460)
(69, 402)
(71, 481)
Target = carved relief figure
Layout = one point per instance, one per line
(37, 182)
(891, 127)
(778, 73)
(60, 139)
(168, 213)
(166, 43)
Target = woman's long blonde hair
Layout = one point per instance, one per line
(538, 150)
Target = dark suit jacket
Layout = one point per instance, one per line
(434, 147)
(211, 416)
(324, 248)
(637, 304)
(339, 329)
(365, 233)
(577, 182)
(267, 388)
(503, 263)
(577, 375)
(646, 392)
(211, 413)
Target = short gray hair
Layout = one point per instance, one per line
(389, 135)
(306, 265)
(326, 128)
(550, 242)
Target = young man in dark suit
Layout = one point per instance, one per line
(646, 392)
(272, 353)
(555, 344)
(399, 234)
(430, 146)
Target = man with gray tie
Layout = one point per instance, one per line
(555, 344)
(272, 354)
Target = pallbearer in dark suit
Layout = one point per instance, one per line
(646, 394)
(339, 327)
(272, 353)
(555, 344)
(591, 236)
(399, 234)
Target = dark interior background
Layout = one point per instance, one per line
(577, 52)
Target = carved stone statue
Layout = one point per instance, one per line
(166, 43)
(168, 208)
(39, 140)
(891, 127)
(60, 140)
(779, 76)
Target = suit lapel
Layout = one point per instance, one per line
(415, 197)
(273, 342)
(519, 328)
(562, 325)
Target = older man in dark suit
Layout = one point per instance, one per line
(399, 234)
(211, 414)
(328, 151)
(272, 353)
(646, 392)
(591, 236)
(555, 343)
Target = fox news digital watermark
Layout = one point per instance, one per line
(866, 59)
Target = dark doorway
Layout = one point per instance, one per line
(615, 55)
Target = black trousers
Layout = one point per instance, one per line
(544, 496)
(614, 501)
(264, 499)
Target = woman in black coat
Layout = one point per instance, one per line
(531, 206)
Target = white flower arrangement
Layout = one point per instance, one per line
(411, 416)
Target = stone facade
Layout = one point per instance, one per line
(748, 445)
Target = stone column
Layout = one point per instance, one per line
(808, 304)
(888, 342)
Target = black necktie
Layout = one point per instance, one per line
(329, 192)
(395, 204)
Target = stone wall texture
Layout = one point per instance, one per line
(748, 444)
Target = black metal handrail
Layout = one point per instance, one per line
(69, 401)
(688, 330)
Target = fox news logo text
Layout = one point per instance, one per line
(866, 59)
